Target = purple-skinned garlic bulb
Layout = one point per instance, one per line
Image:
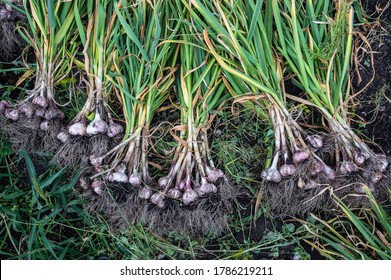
(316, 167)
(158, 199)
(45, 126)
(134, 179)
(380, 162)
(189, 195)
(347, 167)
(301, 155)
(329, 172)
(53, 114)
(96, 160)
(287, 170)
(12, 114)
(174, 193)
(97, 187)
(27, 110)
(316, 141)
(114, 129)
(40, 101)
(145, 193)
(271, 175)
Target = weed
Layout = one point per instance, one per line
(353, 233)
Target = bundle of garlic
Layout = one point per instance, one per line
(89, 134)
(38, 117)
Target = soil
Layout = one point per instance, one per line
(374, 106)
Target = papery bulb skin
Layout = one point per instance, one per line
(114, 129)
(97, 126)
(316, 167)
(27, 110)
(213, 174)
(40, 101)
(271, 175)
(4, 105)
(12, 114)
(347, 167)
(134, 180)
(360, 158)
(301, 155)
(301, 183)
(174, 193)
(316, 141)
(158, 199)
(287, 170)
(96, 160)
(78, 129)
(119, 177)
(63, 136)
(205, 189)
(53, 114)
(380, 162)
(145, 193)
(376, 177)
(97, 187)
(45, 126)
(40, 112)
(182, 185)
(164, 182)
(189, 196)
(329, 172)
(120, 167)
(310, 185)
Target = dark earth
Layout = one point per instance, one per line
(374, 106)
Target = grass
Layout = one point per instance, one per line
(353, 234)
(42, 218)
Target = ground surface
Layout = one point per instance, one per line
(268, 238)
(375, 101)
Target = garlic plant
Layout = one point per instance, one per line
(201, 92)
(51, 25)
(242, 45)
(315, 40)
(142, 75)
(91, 129)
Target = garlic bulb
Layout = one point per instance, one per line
(271, 175)
(97, 126)
(63, 136)
(114, 129)
(189, 196)
(12, 114)
(78, 129)
(158, 199)
(287, 170)
(145, 193)
(301, 155)
(40, 101)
